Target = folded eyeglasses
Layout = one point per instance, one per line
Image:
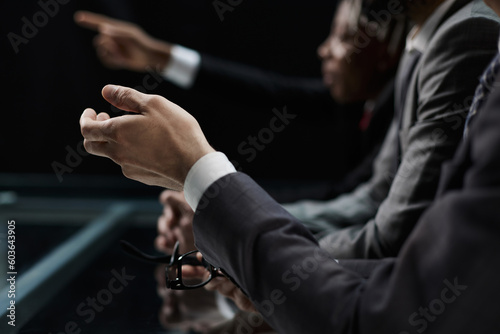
(175, 262)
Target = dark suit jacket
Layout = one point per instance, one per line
(445, 279)
(341, 140)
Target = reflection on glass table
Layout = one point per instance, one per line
(73, 276)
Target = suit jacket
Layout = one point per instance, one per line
(440, 92)
(443, 281)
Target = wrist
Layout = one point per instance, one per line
(161, 55)
(192, 160)
(207, 170)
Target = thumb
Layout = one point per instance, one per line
(124, 98)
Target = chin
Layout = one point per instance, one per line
(339, 96)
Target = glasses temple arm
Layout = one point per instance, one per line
(133, 251)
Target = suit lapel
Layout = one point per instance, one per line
(412, 94)
(453, 171)
(457, 5)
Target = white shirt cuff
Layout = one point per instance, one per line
(182, 67)
(204, 172)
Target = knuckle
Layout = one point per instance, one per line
(87, 145)
(154, 101)
(110, 130)
(121, 95)
(85, 128)
(115, 156)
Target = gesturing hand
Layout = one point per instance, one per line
(156, 146)
(122, 44)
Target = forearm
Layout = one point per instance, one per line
(277, 262)
(353, 208)
(238, 81)
(299, 289)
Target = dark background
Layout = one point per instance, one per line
(56, 75)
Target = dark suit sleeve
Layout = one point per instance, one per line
(240, 82)
(444, 280)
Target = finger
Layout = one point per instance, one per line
(177, 201)
(88, 113)
(166, 238)
(162, 225)
(97, 148)
(94, 21)
(199, 256)
(164, 195)
(161, 244)
(106, 45)
(124, 98)
(118, 31)
(102, 116)
(222, 285)
(93, 129)
(243, 303)
(170, 219)
(110, 50)
(193, 272)
(167, 222)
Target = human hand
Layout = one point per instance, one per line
(124, 45)
(187, 309)
(175, 223)
(243, 322)
(228, 289)
(157, 145)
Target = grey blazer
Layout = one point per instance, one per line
(440, 93)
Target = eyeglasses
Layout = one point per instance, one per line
(198, 275)
(174, 270)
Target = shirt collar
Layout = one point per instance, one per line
(418, 40)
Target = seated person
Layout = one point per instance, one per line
(375, 219)
(448, 47)
(359, 79)
(354, 74)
